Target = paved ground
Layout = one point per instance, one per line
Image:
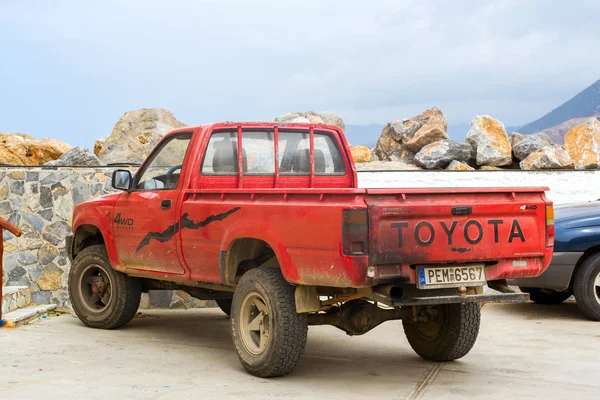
(524, 351)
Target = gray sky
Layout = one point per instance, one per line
(70, 69)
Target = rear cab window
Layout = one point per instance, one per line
(260, 167)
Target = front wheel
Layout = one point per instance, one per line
(546, 296)
(268, 334)
(443, 332)
(102, 297)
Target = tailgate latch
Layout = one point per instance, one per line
(462, 210)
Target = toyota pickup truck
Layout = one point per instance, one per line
(267, 220)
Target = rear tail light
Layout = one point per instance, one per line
(549, 225)
(355, 232)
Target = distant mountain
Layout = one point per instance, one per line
(367, 135)
(557, 133)
(585, 104)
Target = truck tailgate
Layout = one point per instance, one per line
(429, 226)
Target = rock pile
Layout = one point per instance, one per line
(422, 141)
(135, 135)
(21, 149)
(312, 117)
(583, 145)
(77, 156)
(419, 142)
(401, 140)
(490, 142)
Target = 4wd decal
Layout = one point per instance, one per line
(168, 233)
(123, 223)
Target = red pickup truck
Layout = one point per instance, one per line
(267, 220)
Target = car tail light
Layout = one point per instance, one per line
(355, 232)
(549, 225)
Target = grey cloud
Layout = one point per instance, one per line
(371, 61)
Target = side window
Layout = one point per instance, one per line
(258, 153)
(294, 154)
(221, 157)
(164, 169)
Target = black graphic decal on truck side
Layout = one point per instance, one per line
(186, 223)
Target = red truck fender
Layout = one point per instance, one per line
(94, 225)
(257, 230)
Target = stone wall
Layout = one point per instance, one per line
(41, 200)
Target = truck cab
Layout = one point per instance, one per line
(267, 220)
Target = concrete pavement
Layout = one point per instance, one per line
(524, 351)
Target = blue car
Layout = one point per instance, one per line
(575, 266)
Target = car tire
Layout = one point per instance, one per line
(586, 287)
(225, 305)
(449, 334)
(102, 297)
(546, 296)
(268, 334)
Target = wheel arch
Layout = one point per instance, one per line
(85, 235)
(246, 253)
(586, 255)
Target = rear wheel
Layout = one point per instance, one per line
(225, 305)
(586, 287)
(444, 332)
(102, 297)
(269, 335)
(546, 296)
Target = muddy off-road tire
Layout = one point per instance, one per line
(225, 305)
(450, 333)
(268, 334)
(102, 297)
(586, 287)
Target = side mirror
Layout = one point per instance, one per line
(121, 179)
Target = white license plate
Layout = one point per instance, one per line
(450, 276)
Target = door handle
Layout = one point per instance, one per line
(165, 204)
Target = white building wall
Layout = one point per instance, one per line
(565, 186)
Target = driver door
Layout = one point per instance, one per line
(145, 222)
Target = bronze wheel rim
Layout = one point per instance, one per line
(95, 288)
(596, 288)
(431, 328)
(255, 323)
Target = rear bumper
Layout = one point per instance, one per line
(556, 277)
(449, 299)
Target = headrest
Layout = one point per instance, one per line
(301, 163)
(225, 158)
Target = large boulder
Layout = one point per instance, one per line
(388, 149)
(583, 145)
(549, 157)
(135, 135)
(488, 138)
(312, 117)
(77, 156)
(523, 148)
(399, 140)
(22, 149)
(439, 154)
(459, 166)
(361, 154)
